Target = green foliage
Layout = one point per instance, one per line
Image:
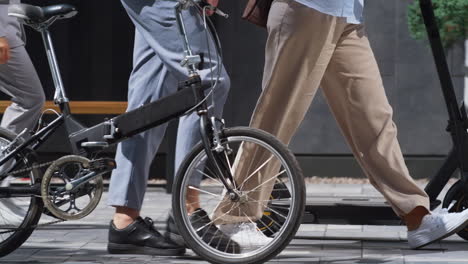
(452, 18)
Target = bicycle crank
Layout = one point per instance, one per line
(72, 186)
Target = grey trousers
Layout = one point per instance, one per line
(156, 72)
(18, 79)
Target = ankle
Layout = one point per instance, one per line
(193, 201)
(414, 218)
(124, 216)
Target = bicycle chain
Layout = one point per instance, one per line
(31, 168)
(19, 171)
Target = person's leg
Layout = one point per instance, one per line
(162, 25)
(128, 232)
(354, 90)
(156, 24)
(300, 43)
(18, 79)
(148, 82)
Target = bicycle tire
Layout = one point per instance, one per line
(16, 238)
(296, 212)
(456, 194)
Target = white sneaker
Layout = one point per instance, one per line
(437, 226)
(246, 235)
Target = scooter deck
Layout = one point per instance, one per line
(356, 210)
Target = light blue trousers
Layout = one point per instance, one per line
(18, 79)
(156, 72)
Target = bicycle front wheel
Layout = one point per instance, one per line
(260, 219)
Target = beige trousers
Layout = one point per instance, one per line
(307, 49)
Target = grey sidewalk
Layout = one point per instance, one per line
(85, 241)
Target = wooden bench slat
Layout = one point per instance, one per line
(83, 107)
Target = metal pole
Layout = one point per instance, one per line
(59, 96)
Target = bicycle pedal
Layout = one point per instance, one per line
(102, 164)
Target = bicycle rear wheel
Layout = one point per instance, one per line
(17, 214)
(260, 235)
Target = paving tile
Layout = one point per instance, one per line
(313, 228)
(453, 245)
(425, 261)
(297, 260)
(382, 254)
(353, 235)
(391, 245)
(382, 260)
(19, 254)
(82, 262)
(344, 227)
(375, 228)
(85, 241)
(311, 235)
(403, 235)
(339, 243)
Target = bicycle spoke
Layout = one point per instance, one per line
(209, 176)
(272, 178)
(267, 216)
(276, 212)
(206, 232)
(207, 202)
(273, 221)
(194, 222)
(230, 168)
(219, 242)
(252, 222)
(271, 200)
(209, 170)
(227, 246)
(253, 173)
(263, 223)
(1, 214)
(203, 191)
(267, 207)
(214, 235)
(212, 221)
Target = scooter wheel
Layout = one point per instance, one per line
(459, 199)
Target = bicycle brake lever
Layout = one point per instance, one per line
(219, 12)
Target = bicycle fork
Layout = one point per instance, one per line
(212, 138)
(210, 135)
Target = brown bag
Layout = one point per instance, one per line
(257, 11)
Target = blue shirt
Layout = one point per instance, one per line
(350, 9)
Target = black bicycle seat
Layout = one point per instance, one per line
(37, 14)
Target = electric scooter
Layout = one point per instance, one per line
(351, 210)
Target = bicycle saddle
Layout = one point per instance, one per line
(36, 14)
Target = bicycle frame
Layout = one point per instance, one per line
(84, 140)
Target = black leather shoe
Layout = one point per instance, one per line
(172, 233)
(141, 237)
(209, 232)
